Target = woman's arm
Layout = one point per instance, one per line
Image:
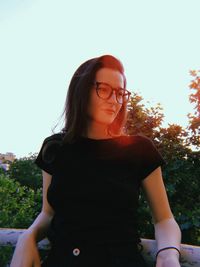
(167, 231)
(26, 253)
(40, 226)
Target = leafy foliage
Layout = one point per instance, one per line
(26, 172)
(18, 202)
(194, 119)
(5, 255)
(195, 97)
(141, 119)
(181, 172)
(19, 207)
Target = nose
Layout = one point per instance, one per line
(113, 97)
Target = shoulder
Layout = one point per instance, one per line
(138, 142)
(131, 142)
(136, 139)
(54, 137)
(51, 146)
(49, 152)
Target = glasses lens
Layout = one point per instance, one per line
(104, 91)
(122, 96)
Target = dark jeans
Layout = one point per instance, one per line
(91, 255)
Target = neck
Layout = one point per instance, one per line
(97, 131)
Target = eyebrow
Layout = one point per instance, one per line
(119, 88)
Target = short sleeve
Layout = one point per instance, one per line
(151, 157)
(48, 154)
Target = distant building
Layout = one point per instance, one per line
(9, 156)
(6, 160)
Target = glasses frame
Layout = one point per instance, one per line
(112, 89)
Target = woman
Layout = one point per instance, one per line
(92, 174)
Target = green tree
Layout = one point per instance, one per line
(195, 97)
(141, 119)
(26, 172)
(181, 175)
(19, 207)
(194, 119)
(181, 172)
(18, 202)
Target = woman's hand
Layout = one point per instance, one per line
(168, 258)
(26, 253)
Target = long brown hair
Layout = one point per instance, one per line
(75, 109)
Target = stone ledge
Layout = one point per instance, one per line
(190, 255)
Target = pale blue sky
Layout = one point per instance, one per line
(43, 42)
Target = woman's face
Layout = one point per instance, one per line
(104, 111)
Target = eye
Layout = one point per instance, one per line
(104, 88)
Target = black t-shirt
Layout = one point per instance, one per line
(95, 186)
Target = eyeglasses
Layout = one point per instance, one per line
(104, 91)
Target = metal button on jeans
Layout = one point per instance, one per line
(76, 251)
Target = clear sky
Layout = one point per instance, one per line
(42, 42)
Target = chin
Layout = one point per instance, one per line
(105, 119)
(107, 122)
